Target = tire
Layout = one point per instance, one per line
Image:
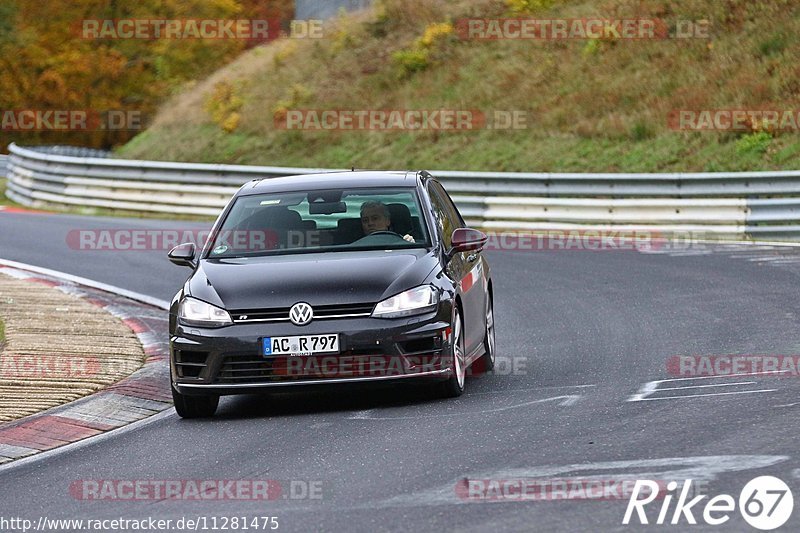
(454, 386)
(489, 345)
(194, 406)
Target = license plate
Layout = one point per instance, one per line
(301, 345)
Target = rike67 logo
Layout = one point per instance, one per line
(765, 503)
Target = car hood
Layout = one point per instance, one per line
(319, 279)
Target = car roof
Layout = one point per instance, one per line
(331, 180)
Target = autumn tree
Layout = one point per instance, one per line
(48, 63)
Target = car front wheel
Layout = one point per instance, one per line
(454, 386)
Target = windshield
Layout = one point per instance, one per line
(321, 220)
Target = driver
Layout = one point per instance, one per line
(375, 216)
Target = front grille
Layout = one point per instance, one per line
(242, 369)
(258, 369)
(281, 314)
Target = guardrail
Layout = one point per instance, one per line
(737, 204)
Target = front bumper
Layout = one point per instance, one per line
(229, 360)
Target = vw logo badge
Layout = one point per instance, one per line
(301, 314)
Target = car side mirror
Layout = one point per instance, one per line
(183, 255)
(467, 240)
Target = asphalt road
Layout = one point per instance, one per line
(580, 335)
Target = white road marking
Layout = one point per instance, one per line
(532, 390)
(570, 400)
(687, 253)
(737, 375)
(755, 254)
(566, 401)
(139, 297)
(673, 468)
(646, 390)
(652, 387)
(16, 274)
(705, 386)
(786, 261)
(701, 395)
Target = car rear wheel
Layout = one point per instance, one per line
(194, 406)
(454, 386)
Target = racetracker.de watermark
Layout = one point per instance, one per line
(43, 366)
(70, 120)
(348, 366)
(146, 239)
(380, 119)
(258, 30)
(196, 489)
(557, 489)
(126, 240)
(489, 29)
(575, 240)
(401, 119)
(734, 365)
(737, 120)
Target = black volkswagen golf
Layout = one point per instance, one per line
(327, 279)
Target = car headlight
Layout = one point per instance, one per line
(414, 301)
(193, 312)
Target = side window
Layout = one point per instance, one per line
(450, 206)
(444, 219)
(447, 216)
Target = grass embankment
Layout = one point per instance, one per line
(592, 105)
(4, 201)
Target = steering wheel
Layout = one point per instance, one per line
(378, 234)
(384, 232)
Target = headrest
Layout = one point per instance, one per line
(401, 218)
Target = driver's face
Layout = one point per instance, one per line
(373, 219)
